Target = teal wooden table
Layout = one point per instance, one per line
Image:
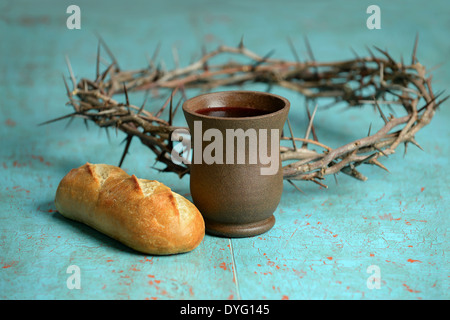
(325, 243)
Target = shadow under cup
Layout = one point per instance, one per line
(236, 179)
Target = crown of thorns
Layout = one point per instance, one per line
(376, 80)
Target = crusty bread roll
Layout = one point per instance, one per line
(142, 214)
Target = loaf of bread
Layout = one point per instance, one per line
(142, 214)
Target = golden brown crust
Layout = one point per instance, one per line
(143, 214)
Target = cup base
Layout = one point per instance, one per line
(239, 230)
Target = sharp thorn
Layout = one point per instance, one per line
(293, 50)
(69, 93)
(432, 100)
(126, 93)
(379, 110)
(310, 53)
(355, 53)
(442, 101)
(126, 98)
(295, 186)
(155, 53)
(111, 55)
(170, 109)
(69, 66)
(69, 122)
(125, 151)
(378, 163)
(107, 134)
(416, 41)
(176, 58)
(105, 73)
(143, 105)
(310, 125)
(335, 179)
(97, 69)
(292, 134)
(176, 108)
(414, 142)
(241, 43)
(371, 53)
(385, 53)
(263, 59)
(57, 119)
(183, 92)
(174, 91)
(205, 64)
(308, 48)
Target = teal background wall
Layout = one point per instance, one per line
(323, 241)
